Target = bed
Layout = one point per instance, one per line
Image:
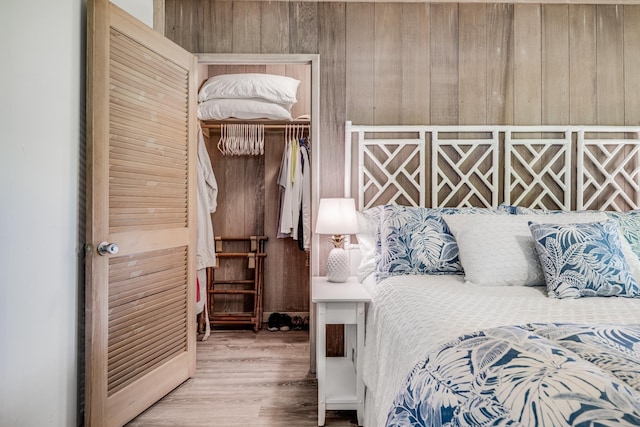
(477, 317)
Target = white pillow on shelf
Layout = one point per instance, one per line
(269, 87)
(244, 109)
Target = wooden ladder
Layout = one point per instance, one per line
(249, 286)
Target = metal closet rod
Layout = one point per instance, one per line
(267, 125)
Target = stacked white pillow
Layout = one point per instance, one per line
(247, 96)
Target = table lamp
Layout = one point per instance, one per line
(337, 217)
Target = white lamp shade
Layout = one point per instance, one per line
(337, 216)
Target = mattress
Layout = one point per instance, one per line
(411, 315)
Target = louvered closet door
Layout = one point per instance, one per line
(140, 307)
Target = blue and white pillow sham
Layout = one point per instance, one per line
(583, 259)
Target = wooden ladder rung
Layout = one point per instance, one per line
(233, 282)
(233, 320)
(256, 242)
(241, 254)
(233, 291)
(239, 238)
(233, 314)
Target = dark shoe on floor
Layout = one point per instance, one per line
(275, 321)
(285, 322)
(296, 323)
(305, 323)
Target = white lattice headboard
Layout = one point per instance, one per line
(551, 167)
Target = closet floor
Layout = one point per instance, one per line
(246, 379)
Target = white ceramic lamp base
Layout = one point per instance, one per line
(338, 265)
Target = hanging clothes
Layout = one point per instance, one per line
(286, 181)
(207, 204)
(294, 180)
(296, 187)
(305, 208)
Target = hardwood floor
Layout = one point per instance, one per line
(246, 379)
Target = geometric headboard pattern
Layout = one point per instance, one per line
(552, 167)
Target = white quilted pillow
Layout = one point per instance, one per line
(499, 249)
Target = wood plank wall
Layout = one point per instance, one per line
(436, 63)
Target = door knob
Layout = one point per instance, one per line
(105, 248)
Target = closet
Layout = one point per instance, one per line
(248, 196)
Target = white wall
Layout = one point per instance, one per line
(141, 9)
(41, 90)
(42, 78)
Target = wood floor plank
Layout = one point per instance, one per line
(246, 379)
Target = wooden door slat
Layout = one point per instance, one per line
(148, 133)
(153, 328)
(149, 203)
(146, 363)
(150, 270)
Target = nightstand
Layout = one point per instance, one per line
(340, 384)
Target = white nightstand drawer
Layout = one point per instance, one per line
(341, 313)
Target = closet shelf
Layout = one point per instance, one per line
(268, 124)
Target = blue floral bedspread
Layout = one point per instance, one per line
(532, 375)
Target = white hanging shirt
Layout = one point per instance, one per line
(207, 204)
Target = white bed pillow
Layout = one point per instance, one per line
(499, 249)
(269, 87)
(246, 109)
(368, 240)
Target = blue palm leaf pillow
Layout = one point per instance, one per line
(415, 240)
(581, 260)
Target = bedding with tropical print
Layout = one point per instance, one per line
(550, 374)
